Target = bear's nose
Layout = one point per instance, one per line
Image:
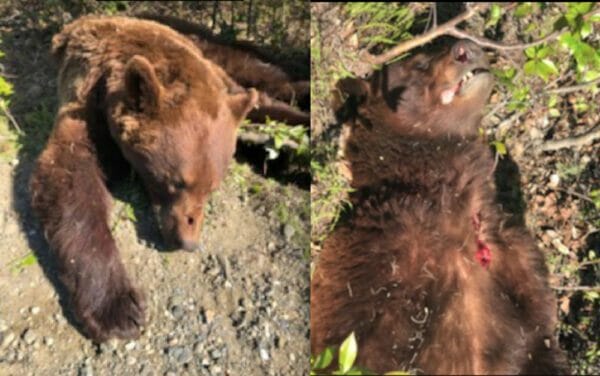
(466, 51)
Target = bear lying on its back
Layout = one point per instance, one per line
(425, 272)
(137, 89)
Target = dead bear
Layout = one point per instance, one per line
(141, 90)
(425, 271)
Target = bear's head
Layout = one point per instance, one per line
(435, 94)
(176, 124)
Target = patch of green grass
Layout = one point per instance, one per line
(17, 266)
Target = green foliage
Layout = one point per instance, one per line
(384, 23)
(283, 136)
(539, 63)
(494, 16)
(16, 266)
(347, 354)
(499, 146)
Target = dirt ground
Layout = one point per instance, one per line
(238, 307)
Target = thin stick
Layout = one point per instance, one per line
(425, 37)
(576, 288)
(484, 42)
(12, 119)
(570, 89)
(577, 141)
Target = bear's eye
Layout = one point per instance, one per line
(179, 185)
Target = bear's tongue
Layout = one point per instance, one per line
(447, 95)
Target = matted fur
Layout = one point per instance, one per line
(138, 92)
(401, 272)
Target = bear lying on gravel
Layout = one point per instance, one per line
(426, 272)
(139, 90)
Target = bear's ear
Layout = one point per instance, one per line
(241, 103)
(141, 84)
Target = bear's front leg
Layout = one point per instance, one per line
(70, 198)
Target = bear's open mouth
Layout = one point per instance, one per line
(465, 81)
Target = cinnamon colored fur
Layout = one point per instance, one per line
(402, 272)
(249, 66)
(137, 92)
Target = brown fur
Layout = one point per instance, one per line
(141, 89)
(402, 272)
(248, 66)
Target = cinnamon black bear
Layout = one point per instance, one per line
(425, 271)
(141, 90)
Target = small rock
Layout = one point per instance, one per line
(130, 345)
(85, 370)
(554, 181)
(215, 370)
(210, 315)
(29, 336)
(271, 247)
(199, 347)
(6, 339)
(177, 312)
(264, 354)
(185, 356)
(34, 310)
(288, 231)
(48, 341)
(131, 360)
(215, 354)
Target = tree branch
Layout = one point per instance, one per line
(570, 89)
(576, 288)
(449, 28)
(578, 141)
(425, 37)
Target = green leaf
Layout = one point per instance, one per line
(554, 113)
(27, 260)
(494, 17)
(530, 52)
(549, 66)
(130, 213)
(348, 352)
(580, 8)
(500, 147)
(586, 29)
(5, 87)
(523, 10)
(396, 373)
(324, 359)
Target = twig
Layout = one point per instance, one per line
(577, 141)
(570, 89)
(425, 37)
(484, 42)
(586, 263)
(449, 28)
(11, 118)
(576, 288)
(576, 194)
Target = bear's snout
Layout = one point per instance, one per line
(181, 229)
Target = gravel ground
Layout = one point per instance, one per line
(239, 307)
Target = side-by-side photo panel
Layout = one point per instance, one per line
(155, 217)
(454, 196)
